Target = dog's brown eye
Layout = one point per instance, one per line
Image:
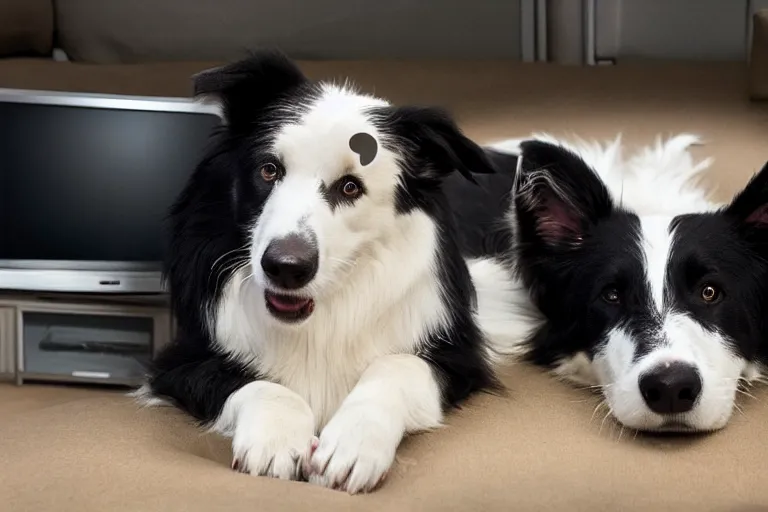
(611, 295)
(269, 172)
(350, 188)
(710, 294)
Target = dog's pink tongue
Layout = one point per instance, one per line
(287, 304)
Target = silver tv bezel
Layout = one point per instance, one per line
(91, 276)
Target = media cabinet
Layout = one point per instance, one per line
(88, 338)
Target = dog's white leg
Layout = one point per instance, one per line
(397, 394)
(271, 427)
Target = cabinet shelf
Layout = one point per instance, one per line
(82, 341)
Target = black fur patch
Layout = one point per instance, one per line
(334, 194)
(365, 146)
(481, 210)
(433, 147)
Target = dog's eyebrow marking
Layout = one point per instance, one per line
(364, 145)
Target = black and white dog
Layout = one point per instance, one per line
(319, 287)
(642, 287)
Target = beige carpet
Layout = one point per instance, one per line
(18, 399)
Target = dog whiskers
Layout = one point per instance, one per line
(227, 254)
(233, 268)
(347, 263)
(232, 264)
(226, 264)
(621, 431)
(246, 278)
(594, 387)
(746, 393)
(600, 405)
(602, 423)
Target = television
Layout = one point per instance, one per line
(86, 183)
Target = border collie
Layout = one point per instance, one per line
(317, 282)
(642, 287)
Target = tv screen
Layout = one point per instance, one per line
(92, 184)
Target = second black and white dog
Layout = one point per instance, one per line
(642, 287)
(324, 307)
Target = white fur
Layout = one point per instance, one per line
(376, 297)
(657, 183)
(661, 179)
(686, 342)
(396, 395)
(378, 312)
(271, 427)
(144, 397)
(578, 369)
(504, 311)
(656, 248)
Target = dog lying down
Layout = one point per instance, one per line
(643, 288)
(324, 307)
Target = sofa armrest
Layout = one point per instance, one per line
(26, 27)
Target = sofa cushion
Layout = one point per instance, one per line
(758, 62)
(545, 446)
(171, 30)
(26, 27)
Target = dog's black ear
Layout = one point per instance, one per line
(750, 206)
(437, 143)
(244, 88)
(557, 195)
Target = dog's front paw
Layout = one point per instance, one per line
(355, 450)
(270, 440)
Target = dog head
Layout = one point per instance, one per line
(666, 313)
(324, 177)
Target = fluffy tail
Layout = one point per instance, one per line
(661, 179)
(667, 177)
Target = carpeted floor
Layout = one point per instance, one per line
(18, 399)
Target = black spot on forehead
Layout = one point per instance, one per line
(365, 145)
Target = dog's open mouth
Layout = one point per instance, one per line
(289, 308)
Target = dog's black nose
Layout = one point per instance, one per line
(290, 262)
(671, 388)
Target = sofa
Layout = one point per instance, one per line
(541, 444)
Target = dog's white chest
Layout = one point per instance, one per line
(323, 360)
(323, 366)
(319, 372)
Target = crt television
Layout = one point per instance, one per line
(86, 182)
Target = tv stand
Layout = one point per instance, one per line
(84, 281)
(82, 338)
